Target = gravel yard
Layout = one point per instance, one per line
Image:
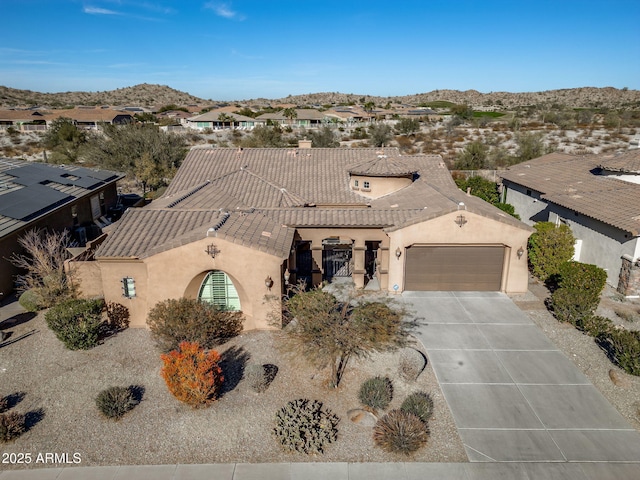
(58, 387)
(63, 384)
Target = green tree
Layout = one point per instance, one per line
(369, 106)
(407, 126)
(328, 332)
(530, 145)
(480, 187)
(381, 134)
(64, 140)
(264, 136)
(462, 111)
(324, 138)
(549, 247)
(473, 157)
(149, 173)
(121, 147)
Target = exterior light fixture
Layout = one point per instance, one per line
(398, 253)
(128, 287)
(520, 252)
(286, 276)
(460, 220)
(212, 250)
(268, 282)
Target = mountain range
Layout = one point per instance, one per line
(151, 95)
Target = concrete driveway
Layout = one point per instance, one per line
(513, 395)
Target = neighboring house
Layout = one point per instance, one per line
(88, 118)
(212, 120)
(598, 196)
(38, 195)
(305, 117)
(91, 118)
(238, 225)
(24, 120)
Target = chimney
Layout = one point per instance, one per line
(304, 143)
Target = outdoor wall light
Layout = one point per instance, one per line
(460, 220)
(398, 253)
(212, 250)
(520, 252)
(286, 276)
(268, 282)
(128, 287)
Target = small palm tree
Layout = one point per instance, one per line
(223, 117)
(290, 113)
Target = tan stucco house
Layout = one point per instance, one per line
(238, 225)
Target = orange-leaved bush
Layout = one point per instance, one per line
(192, 375)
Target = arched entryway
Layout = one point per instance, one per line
(218, 288)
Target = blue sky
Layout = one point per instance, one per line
(234, 50)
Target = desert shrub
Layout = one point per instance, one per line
(117, 316)
(578, 295)
(12, 425)
(582, 276)
(420, 404)
(303, 426)
(400, 432)
(192, 375)
(4, 404)
(624, 346)
(114, 402)
(260, 376)
(411, 364)
(596, 326)
(76, 322)
(376, 392)
(548, 248)
(31, 300)
(175, 321)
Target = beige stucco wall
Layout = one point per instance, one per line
(179, 272)
(478, 230)
(378, 186)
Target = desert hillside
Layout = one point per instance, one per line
(157, 95)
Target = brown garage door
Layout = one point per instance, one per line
(459, 268)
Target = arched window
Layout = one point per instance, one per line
(217, 288)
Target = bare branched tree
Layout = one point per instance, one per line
(43, 262)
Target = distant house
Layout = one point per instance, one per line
(597, 196)
(212, 120)
(305, 117)
(23, 120)
(38, 195)
(91, 118)
(237, 225)
(87, 118)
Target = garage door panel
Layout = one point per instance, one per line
(454, 268)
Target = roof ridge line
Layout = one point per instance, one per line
(188, 194)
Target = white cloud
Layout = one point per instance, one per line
(224, 10)
(99, 11)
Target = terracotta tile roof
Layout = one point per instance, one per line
(383, 166)
(574, 182)
(626, 162)
(145, 232)
(276, 190)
